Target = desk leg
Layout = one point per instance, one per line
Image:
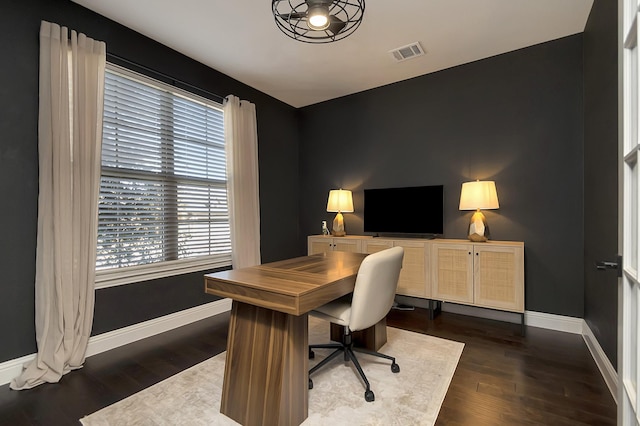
(265, 376)
(372, 338)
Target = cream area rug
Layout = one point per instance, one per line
(411, 397)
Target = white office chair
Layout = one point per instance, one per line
(372, 299)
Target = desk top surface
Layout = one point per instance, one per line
(293, 286)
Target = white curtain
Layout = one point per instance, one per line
(69, 145)
(241, 140)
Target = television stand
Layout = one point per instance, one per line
(486, 275)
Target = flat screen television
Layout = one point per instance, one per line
(408, 210)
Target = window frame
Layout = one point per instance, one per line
(131, 274)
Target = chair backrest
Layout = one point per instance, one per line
(375, 287)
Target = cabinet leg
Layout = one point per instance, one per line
(435, 307)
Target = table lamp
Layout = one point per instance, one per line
(340, 200)
(478, 195)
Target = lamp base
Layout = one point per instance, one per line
(338, 226)
(478, 228)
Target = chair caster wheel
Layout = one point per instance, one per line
(312, 354)
(395, 368)
(369, 396)
(310, 384)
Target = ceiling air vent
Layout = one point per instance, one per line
(409, 51)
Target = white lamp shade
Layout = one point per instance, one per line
(479, 195)
(340, 200)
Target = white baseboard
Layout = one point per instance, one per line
(553, 322)
(531, 318)
(474, 311)
(609, 374)
(13, 368)
(114, 339)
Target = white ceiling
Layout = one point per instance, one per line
(240, 38)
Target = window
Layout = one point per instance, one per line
(163, 194)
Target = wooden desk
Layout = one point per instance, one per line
(266, 369)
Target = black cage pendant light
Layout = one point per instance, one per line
(318, 21)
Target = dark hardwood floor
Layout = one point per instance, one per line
(503, 378)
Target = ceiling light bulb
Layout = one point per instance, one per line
(317, 18)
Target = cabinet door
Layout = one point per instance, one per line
(376, 245)
(319, 244)
(413, 275)
(452, 272)
(499, 280)
(343, 244)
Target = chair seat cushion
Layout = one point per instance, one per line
(338, 312)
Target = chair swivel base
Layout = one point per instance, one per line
(348, 351)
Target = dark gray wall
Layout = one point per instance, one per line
(516, 118)
(601, 172)
(124, 305)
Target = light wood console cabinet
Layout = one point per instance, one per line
(488, 275)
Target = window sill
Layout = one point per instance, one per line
(133, 274)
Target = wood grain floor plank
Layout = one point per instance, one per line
(503, 378)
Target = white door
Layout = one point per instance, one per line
(629, 293)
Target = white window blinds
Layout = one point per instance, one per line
(163, 196)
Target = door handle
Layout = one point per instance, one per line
(606, 265)
(603, 265)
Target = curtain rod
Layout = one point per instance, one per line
(174, 81)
